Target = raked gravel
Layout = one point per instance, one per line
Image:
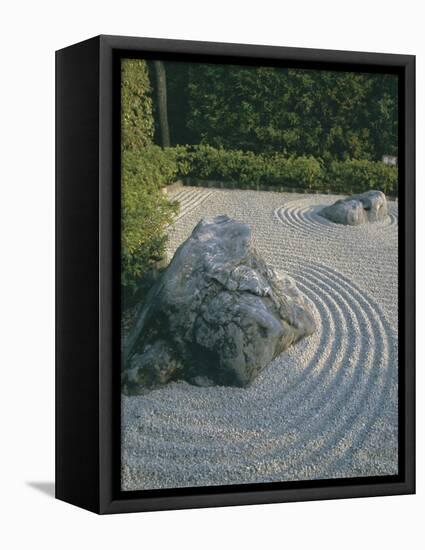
(327, 407)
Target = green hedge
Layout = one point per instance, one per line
(247, 170)
(145, 210)
(356, 176)
(332, 115)
(137, 122)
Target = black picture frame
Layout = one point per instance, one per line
(87, 271)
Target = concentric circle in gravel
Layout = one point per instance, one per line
(304, 217)
(326, 408)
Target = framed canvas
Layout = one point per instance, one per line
(235, 274)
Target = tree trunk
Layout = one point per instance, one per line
(161, 90)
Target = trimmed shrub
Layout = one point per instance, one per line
(356, 176)
(302, 172)
(247, 170)
(145, 210)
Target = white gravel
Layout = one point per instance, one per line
(326, 408)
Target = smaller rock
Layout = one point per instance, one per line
(367, 207)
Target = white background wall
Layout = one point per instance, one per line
(30, 31)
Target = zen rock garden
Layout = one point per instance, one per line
(217, 315)
(259, 313)
(358, 209)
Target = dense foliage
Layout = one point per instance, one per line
(355, 176)
(249, 170)
(145, 169)
(251, 127)
(327, 114)
(137, 122)
(145, 210)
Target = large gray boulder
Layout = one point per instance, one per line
(218, 314)
(367, 207)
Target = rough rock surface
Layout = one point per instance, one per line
(357, 209)
(218, 314)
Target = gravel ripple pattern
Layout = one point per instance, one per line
(327, 407)
(189, 199)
